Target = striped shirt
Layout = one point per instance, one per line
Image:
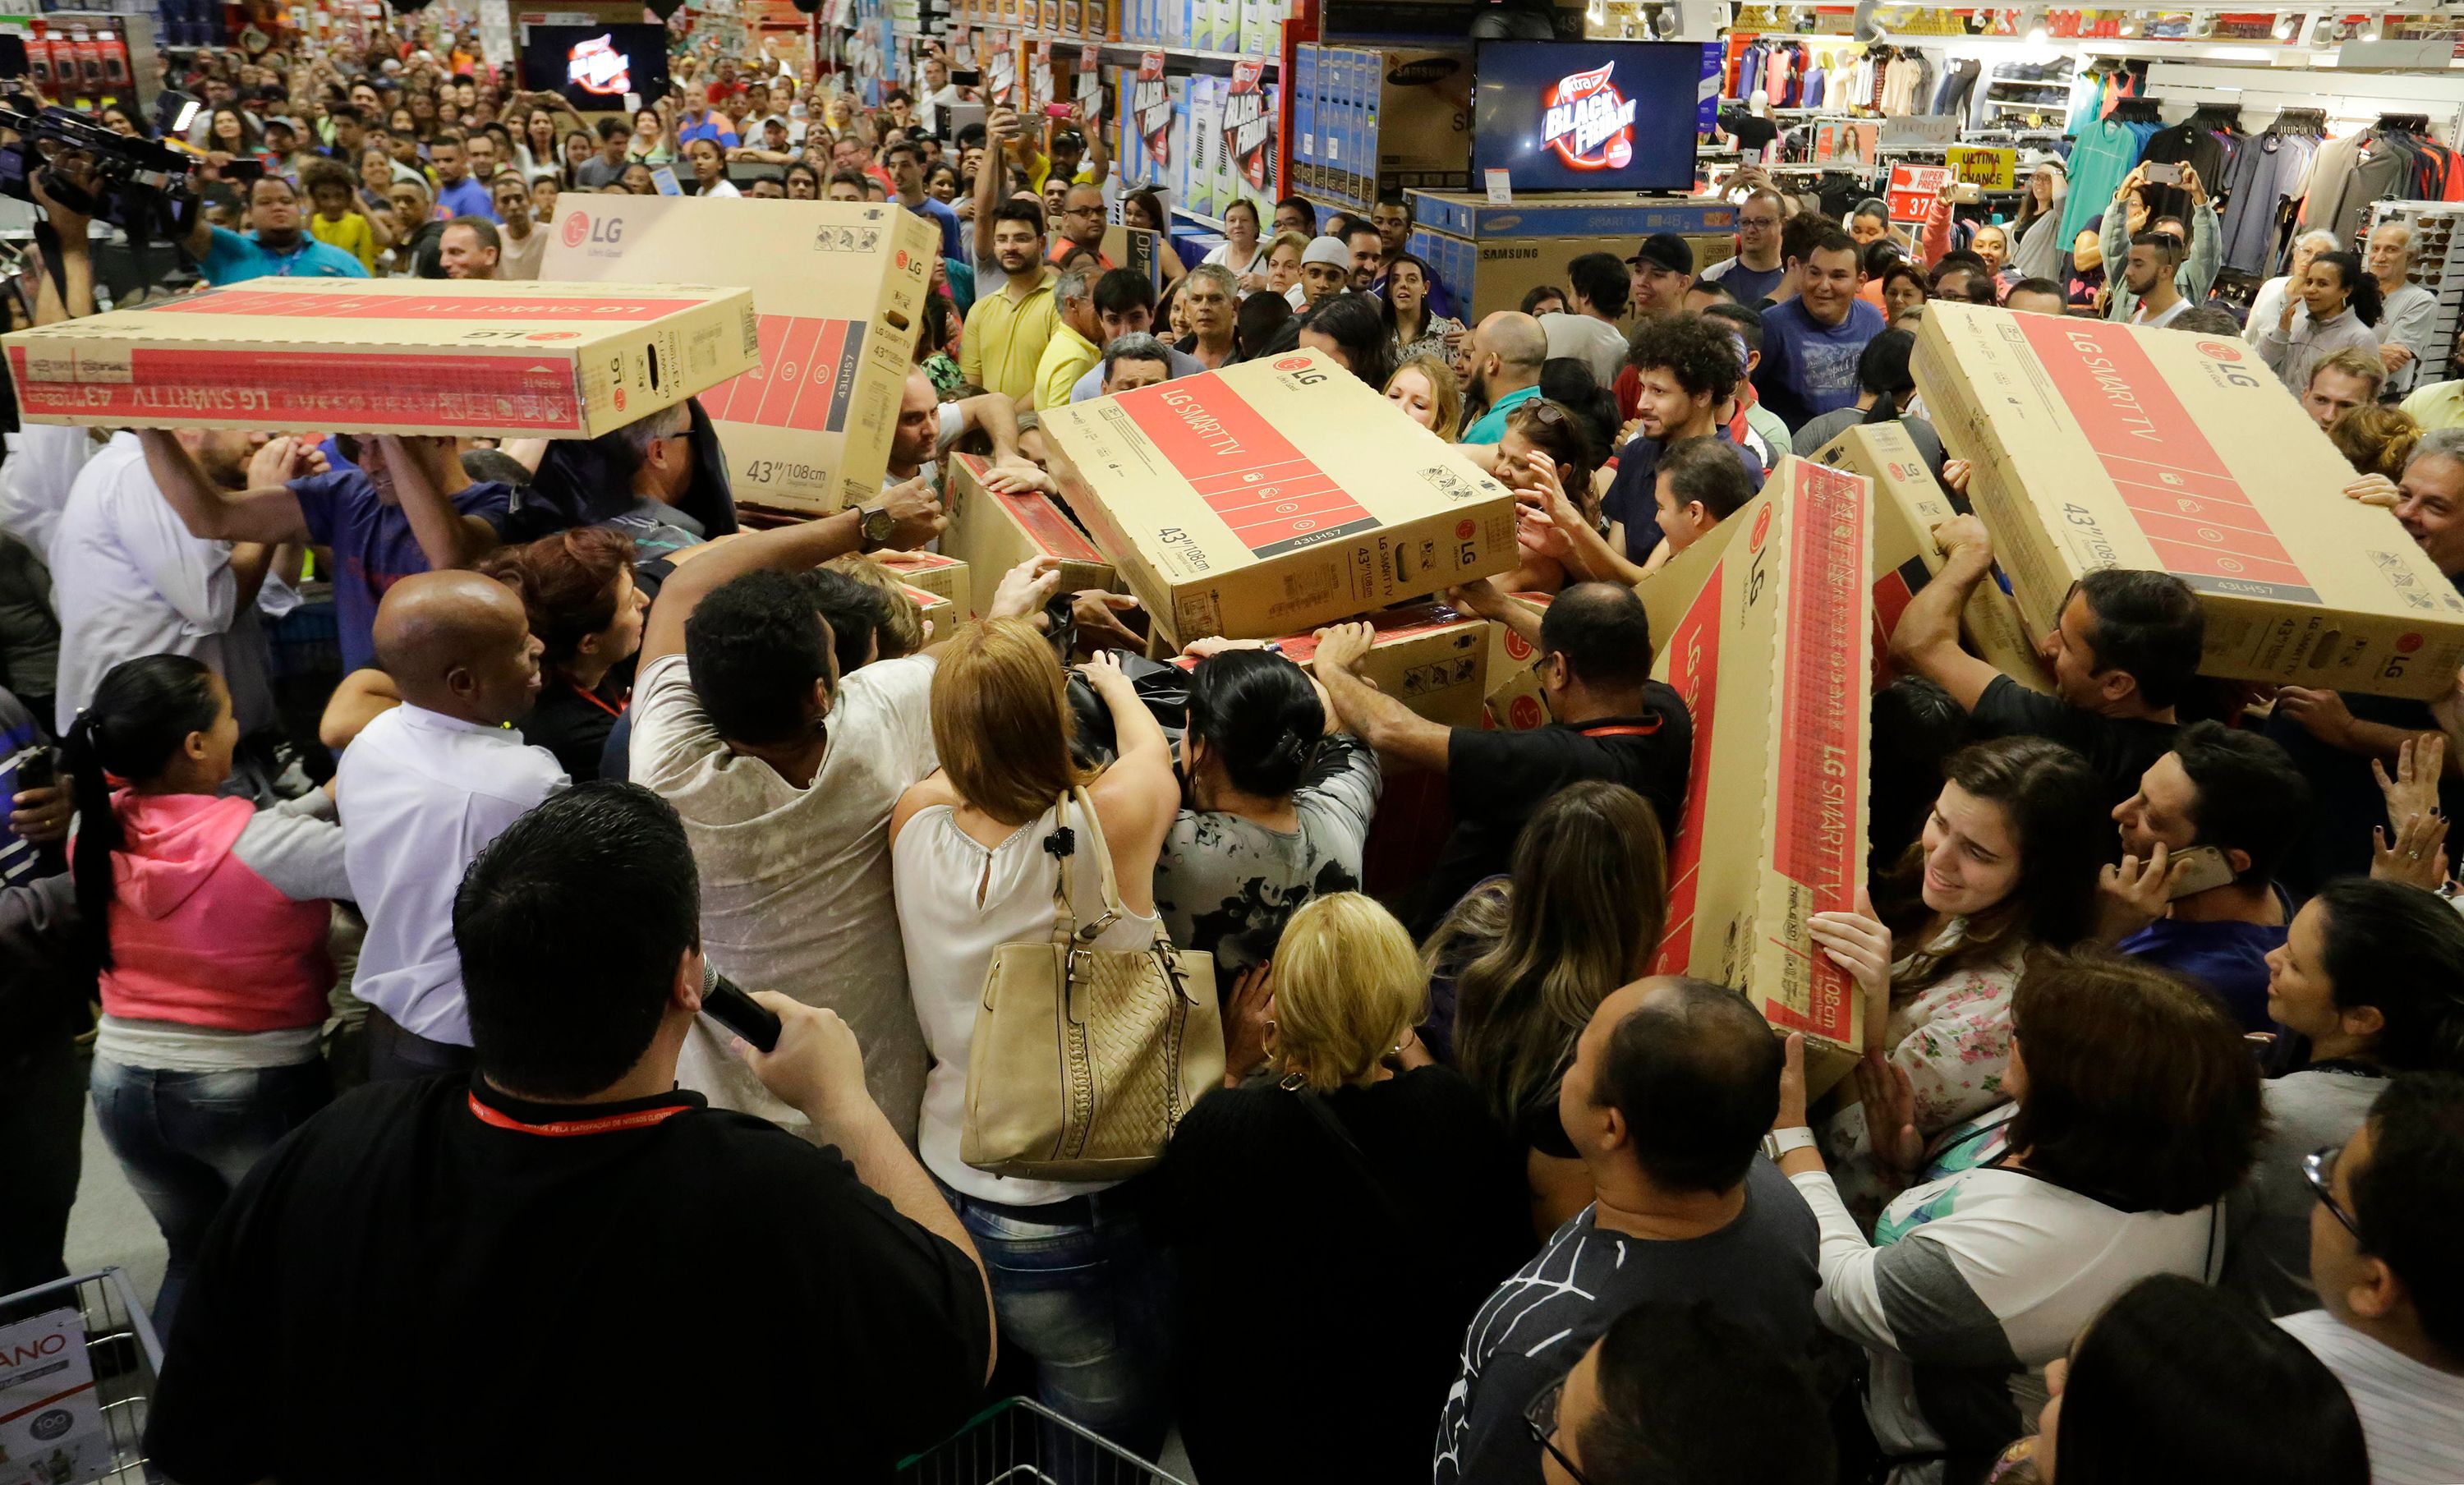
(2412, 1414)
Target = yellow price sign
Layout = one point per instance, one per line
(1990, 168)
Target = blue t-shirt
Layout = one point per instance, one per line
(1808, 368)
(708, 129)
(1633, 495)
(373, 546)
(940, 214)
(234, 259)
(1751, 285)
(465, 197)
(2229, 960)
(1491, 427)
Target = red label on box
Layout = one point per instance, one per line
(1820, 714)
(369, 392)
(806, 379)
(1694, 671)
(279, 304)
(1051, 529)
(1274, 500)
(2190, 507)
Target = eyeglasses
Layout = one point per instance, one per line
(1540, 1416)
(2319, 1168)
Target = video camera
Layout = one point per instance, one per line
(143, 186)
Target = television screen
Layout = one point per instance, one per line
(1587, 114)
(595, 66)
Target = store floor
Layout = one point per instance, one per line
(109, 1228)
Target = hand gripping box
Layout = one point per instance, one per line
(1908, 503)
(993, 533)
(1274, 496)
(389, 356)
(1425, 656)
(840, 288)
(1773, 657)
(2095, 445)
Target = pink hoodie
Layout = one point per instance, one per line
(220, 910)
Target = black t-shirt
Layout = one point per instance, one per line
(407, 1289)
(1633, 497)
(573, 724)
(1495, 780)
(2118, 748)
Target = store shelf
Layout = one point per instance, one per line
(1132, 51)
(1198, 218)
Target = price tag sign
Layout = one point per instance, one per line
(1988, 168)
(1501, 189)
(1913, 190)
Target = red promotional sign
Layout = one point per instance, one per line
(1151, 108)
(1249, 127)
(1914, 189)
(1588, 122)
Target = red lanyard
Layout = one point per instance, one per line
(639, 1119)
(592, 698)
(1622, 732)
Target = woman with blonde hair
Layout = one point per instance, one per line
(2376, 439)
(1424, 387)
(1585, 905)
(1356, 1167)
(976, 855)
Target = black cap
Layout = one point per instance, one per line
(1666, 250)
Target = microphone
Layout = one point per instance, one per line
(730, 1008)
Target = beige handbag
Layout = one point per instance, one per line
(1084, 1059)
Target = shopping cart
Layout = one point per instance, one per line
(119, 1346)
(1018, 1441)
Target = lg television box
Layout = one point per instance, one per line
(1425, 656)
(389, 356)
(941, 617)
(1773, 655)
(2095, 445)
(935, 573)
(992, 533)
(1908, 503)
(840, 287)
(1274, 496)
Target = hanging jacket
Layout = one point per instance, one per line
(220, 910)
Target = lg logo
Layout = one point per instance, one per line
(577, 229)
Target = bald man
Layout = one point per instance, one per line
(1079, 224)
(1504, 358)
(423, 790)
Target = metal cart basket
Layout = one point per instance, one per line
(121, 1348)
(1018, 1441)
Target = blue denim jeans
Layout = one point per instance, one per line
(186, 1139)
(1087, 1298)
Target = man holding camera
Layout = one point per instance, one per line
(278, 244)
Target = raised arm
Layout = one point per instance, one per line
(427, 474)
(266, 512)
(786, 550)
(1399, 734)
(1927, 639)
(1001, 126)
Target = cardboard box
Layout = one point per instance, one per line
(1908, 503)
(1273, 496)
(941, 616)
(1418, 118)
(1425, 656)
(1773, 657)
(993, 533)
(1490, 275)
(2095, 445)
(936, 573)
(840, 287)
(390, 355)
(1517, 703)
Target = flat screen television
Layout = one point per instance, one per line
(595, 66)
(1587, 114)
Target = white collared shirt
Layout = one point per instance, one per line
(420, 795)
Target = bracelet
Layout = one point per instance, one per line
(1787, 1142)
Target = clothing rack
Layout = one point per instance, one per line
(2402, 124)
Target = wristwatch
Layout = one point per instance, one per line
(877, 527)
(1782, 1141)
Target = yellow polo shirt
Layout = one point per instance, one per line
(1066, 356)
(1005, 339)
(2439, 405)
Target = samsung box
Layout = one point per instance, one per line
(1425, 656)
(992, 533)
(389, 356)
(1274, 496)
(1908, 503)
(1773, 655)
(840, 288)
(2095, 445)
